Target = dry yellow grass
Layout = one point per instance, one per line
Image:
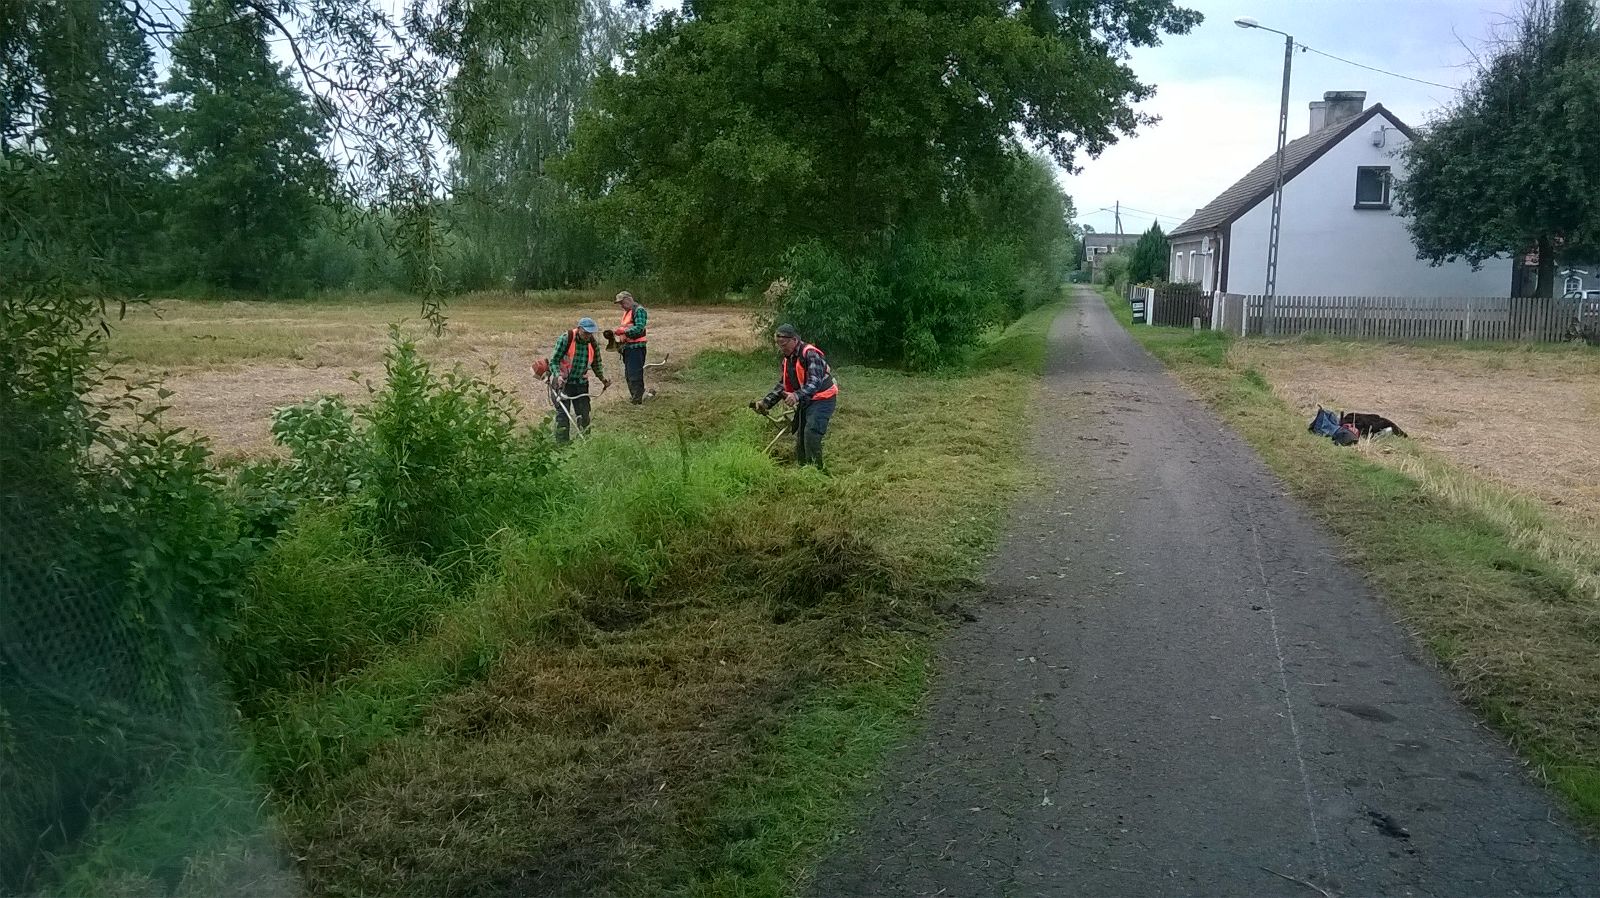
(1524, 418)
(229, 364)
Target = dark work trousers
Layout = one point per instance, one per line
(580, 408)
(633, 366)
(811, 425)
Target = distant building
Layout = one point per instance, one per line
(1340, 236)
(1097, 248)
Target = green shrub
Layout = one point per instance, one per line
(431, 465)
(919, 303)
(121, 553)
(447, 461)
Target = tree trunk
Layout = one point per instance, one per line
(1546, 285)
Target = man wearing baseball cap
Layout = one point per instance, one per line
(805, 384)
(575, 355)
(630, 334)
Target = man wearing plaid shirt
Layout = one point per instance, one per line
(575, 355)
(805, 384)
(630, 334)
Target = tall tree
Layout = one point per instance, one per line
(739, 127)
(528, 95)
(1149, 259)
(247, 140)
(1512, 166)
(82, 144)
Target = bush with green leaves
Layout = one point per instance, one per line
(918, 303)
(122, 554)
(447, 461)
(1117, 268)
(430, 465)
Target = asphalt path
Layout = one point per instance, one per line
(1178, 688)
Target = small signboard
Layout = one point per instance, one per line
(1138, 310)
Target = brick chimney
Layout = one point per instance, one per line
(1337, 107)
(1319, 114)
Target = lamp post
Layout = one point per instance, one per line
(1283, 133)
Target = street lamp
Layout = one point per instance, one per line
(1283, 133)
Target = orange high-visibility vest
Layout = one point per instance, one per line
(799, 375)
(627, 323)
(572, 351)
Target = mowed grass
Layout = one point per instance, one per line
(1501, 590)
(330, 330)
(708, 743)
(229, 364)
(677, 685)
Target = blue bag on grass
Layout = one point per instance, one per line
(1325, 424)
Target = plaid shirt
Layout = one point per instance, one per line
(640, 319)
(579, 375)
(818, 376)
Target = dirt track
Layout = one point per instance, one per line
(1179, 689)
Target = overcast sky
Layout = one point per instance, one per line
(1218, 88)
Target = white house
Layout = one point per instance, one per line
(1339, 234)
(1098, 247)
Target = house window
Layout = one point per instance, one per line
(1372, 187)
(1572, 285)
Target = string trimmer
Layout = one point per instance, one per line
(559, 400)
(786, 423)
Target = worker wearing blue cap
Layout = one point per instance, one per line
(575, 355)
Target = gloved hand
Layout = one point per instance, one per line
(759, 407)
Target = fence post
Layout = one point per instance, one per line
(1466, 331)
(1150, 304)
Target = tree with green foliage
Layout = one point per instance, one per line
(521, 222)
(1114, 271)
(1512, 166)
(248, 145)
(1148, 262)
(736, 128)
(82, 161)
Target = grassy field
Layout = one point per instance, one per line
(676, 685)
(229, 364)
(1499, 577)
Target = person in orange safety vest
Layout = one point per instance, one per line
(805, 384)
(631, 343)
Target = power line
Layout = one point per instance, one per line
(1378, 70)
(1156, 214)
(1130, 209)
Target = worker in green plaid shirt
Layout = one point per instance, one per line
(575, 355)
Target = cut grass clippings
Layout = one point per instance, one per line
(1502, 594)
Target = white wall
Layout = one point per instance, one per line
(1327, 247)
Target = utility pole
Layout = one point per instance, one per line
(1119, 217)
(1283, 133)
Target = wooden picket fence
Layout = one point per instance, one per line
(1402, 317)
(1177, 305)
